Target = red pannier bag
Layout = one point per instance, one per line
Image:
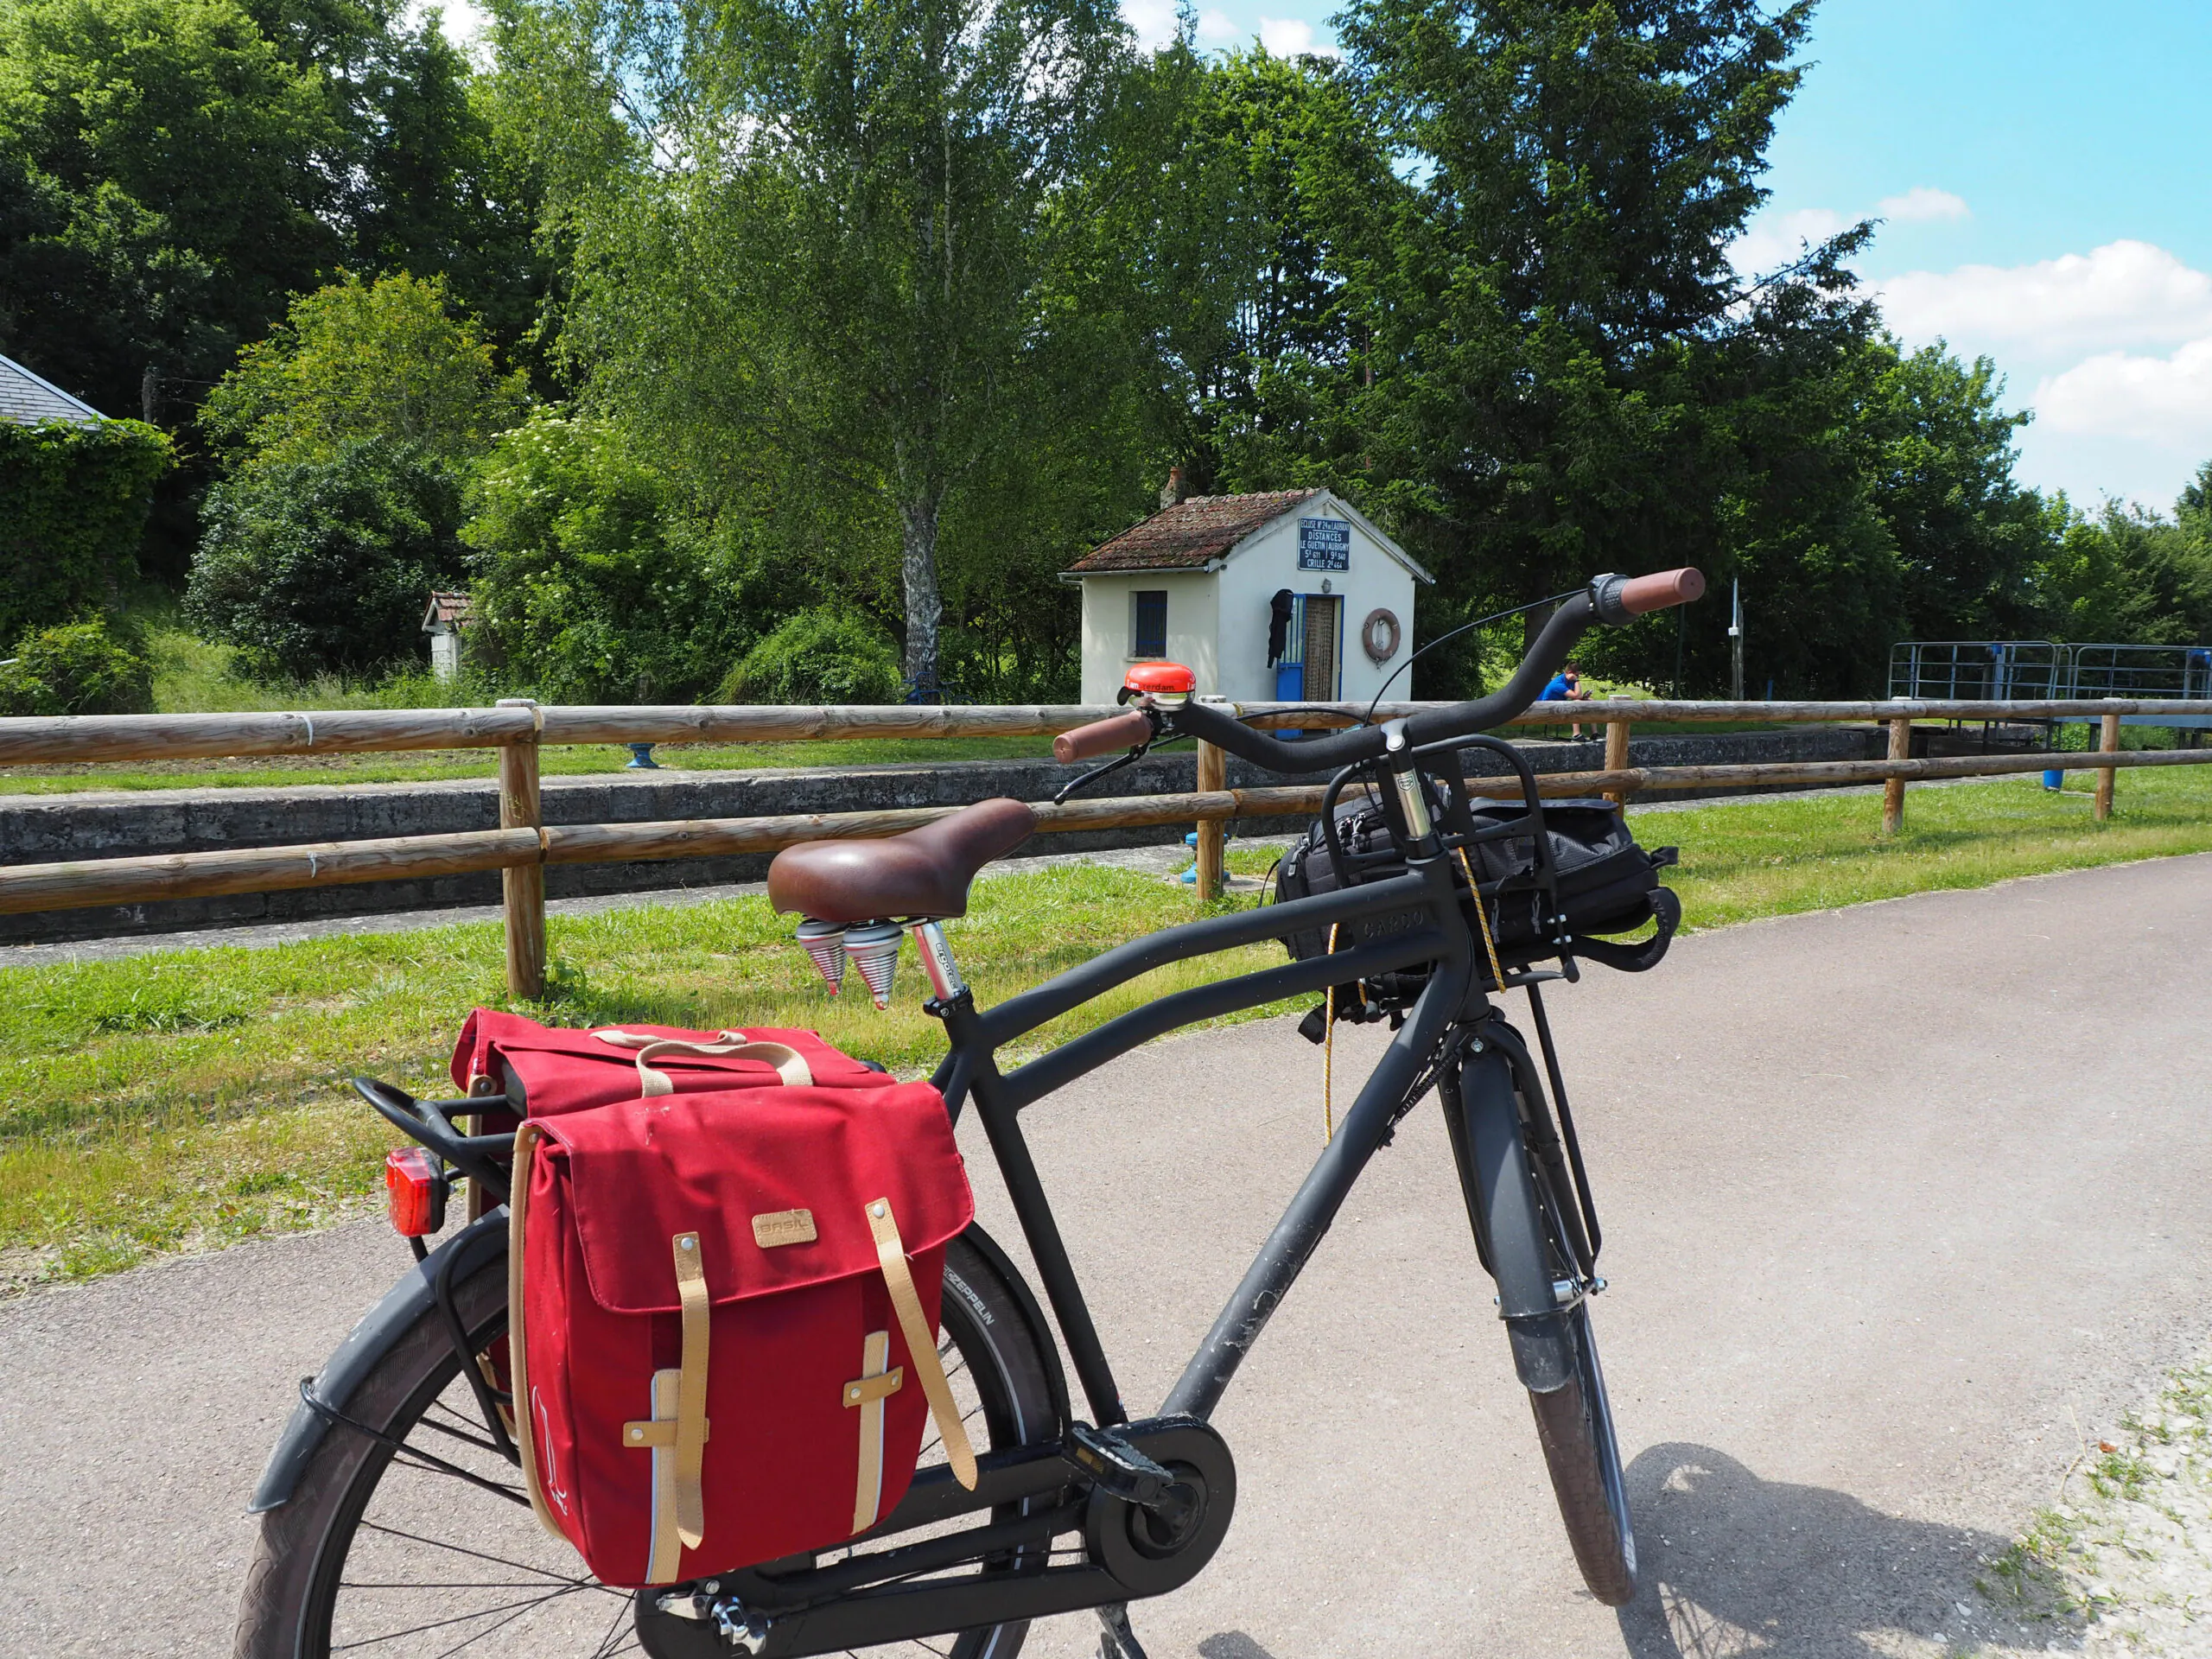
(724, 1310)
(544, 1070)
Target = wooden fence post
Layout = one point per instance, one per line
(523, 886)
(1893, 789)
(1617, 757)
(2107, 743)
(1213, 774)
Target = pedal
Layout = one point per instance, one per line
(1116, 1467)
(1115, 1639)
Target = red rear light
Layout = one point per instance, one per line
(414, 1191)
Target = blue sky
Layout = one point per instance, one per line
(2044, 171)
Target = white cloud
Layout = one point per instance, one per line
(1153, 20)
(2123, 294)
(465, 23)
(1291, 37)
(1921, 203)
(1215, 26)
(2162, 400)
(1775, 239)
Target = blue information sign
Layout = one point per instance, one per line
(1324, 544)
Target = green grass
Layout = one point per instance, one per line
(278, 771)
(186, 1098)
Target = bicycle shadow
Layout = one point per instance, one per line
(1731, 1564)
(1231, 1644)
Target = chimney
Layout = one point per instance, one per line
(1174, 490)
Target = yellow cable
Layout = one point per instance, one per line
(1329, 1052)
(1496, 973)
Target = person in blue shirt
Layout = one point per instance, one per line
(1566, 686)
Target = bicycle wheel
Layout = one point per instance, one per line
(1575, 1428)
(394, 1557)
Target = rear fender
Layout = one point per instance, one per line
(480, 1242)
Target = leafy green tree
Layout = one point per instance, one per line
(385, 360)
(592, 581)
(822, 251)
(2129, 577)
(322, 562)
(1281, 203)
(169, 160)
(1969, 538)
(352, 430)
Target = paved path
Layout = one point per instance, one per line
(1893, 1196)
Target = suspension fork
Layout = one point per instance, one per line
(1482, 1114)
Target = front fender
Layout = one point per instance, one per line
(382, 1325)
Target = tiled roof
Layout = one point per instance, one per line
(25, 397)
(1185, 536)
(458, 610)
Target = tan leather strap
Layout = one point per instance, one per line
(921, 1342)
(867, 1392)
(525, 1413)
(791, 1064)
(691, 1398)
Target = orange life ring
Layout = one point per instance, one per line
(1379, 635)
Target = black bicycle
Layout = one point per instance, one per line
(394, 1519)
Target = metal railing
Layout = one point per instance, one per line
(2016, 669)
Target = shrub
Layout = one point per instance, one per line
(76, 669)
(325, 565)
(592, 584)
(76, 502)
(818, 657)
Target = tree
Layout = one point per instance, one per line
(816, 249)
(350, 431)
(1968, 538)
(384, 359)
(322, 563)
(173, 171)
(592, 581)
(167, 155)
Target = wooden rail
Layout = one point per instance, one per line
(523, 844)
(69, 739)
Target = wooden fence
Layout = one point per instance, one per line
(524, 844)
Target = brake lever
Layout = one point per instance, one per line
(1120, 760)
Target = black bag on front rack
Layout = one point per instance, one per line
(1607, 883)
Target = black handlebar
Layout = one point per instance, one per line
(1600, 602)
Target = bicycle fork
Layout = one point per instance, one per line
(1482, 1113)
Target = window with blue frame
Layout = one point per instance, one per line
(1149, 623)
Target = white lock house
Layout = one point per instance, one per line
(1285, 595)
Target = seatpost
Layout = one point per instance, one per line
(937, 961)
(1413, 800)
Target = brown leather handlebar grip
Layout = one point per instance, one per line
(1661, 588)
(1102, 737)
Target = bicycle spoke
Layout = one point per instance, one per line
(569, 1580)
(522, 1607)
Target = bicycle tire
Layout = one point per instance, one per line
(1574, 1426)
(294, 1586)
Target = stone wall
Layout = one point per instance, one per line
(38, 830)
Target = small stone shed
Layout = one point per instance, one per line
(1285, 595)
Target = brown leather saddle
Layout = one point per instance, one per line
(922, 874)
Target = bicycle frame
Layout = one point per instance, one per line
(970, 1073)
